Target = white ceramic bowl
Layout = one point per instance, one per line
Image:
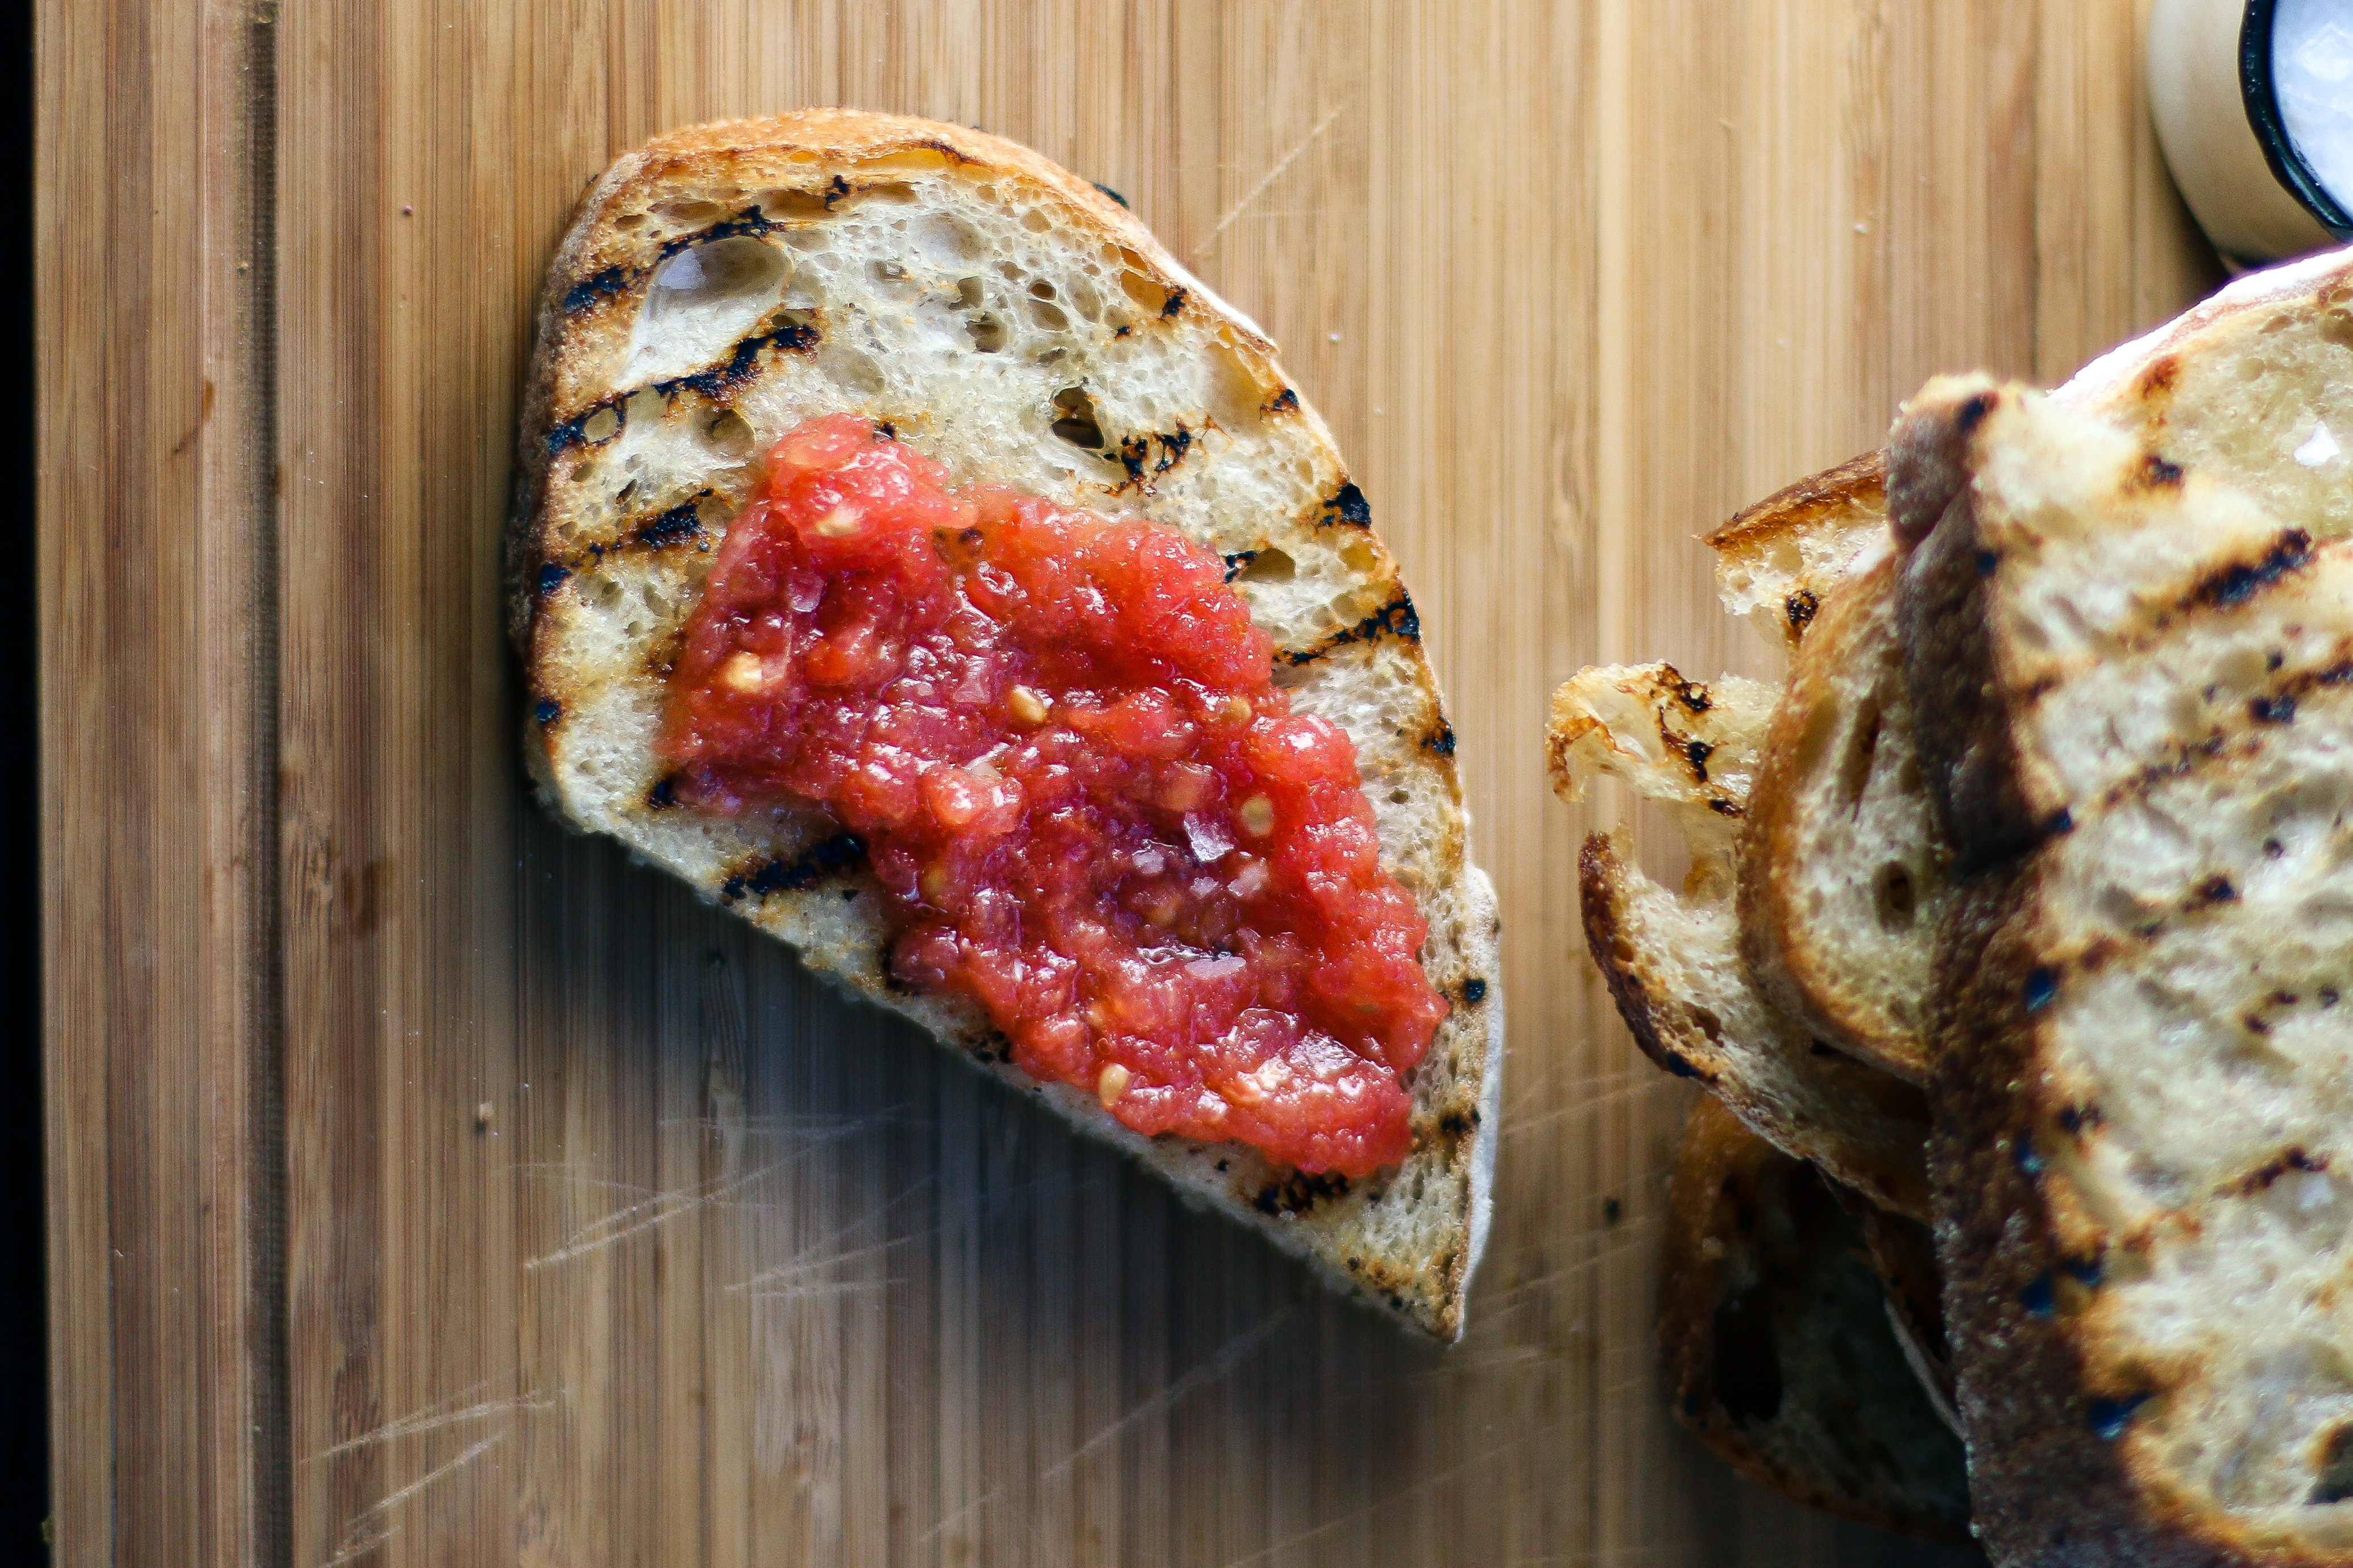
(2211, 92)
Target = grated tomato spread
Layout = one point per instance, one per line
(1058, 739)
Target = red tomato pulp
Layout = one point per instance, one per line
(1058, 739)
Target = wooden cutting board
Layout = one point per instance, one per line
(428, 1187)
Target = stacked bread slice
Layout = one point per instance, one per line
(1960, 723)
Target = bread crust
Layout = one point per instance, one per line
(1781, 939)
(1406, 1240)
(1866, 1128)
(1781, 557)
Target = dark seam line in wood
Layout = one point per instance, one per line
(273, 1469)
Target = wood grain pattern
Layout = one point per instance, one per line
(428, 1186)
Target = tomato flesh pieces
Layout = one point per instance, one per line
(1058, 737)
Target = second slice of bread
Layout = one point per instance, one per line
(1841, 878)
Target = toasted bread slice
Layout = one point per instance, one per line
(2134, 688)
(724, 284)
(1777, 1343)
(1840, 877)
(1672, 961)
(1841, 884)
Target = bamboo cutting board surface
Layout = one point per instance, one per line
(428, 1187)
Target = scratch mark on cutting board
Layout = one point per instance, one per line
(1283, 1548)
(1265, 180)
(1213, 1368)
(983, 1500)
(356, 1543)
(816, 1256)
(435, 1419)
(664, 1208)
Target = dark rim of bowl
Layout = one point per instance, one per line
(2261, 99)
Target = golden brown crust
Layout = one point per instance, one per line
(1801, 504)
(1865, 1127)
(1789, 549)
(1777, 937)
(1774, 1342)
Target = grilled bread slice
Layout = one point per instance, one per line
(1840, 878)
(1778, 1345)
(1671, 959)
(724, 284)
(2134, 690)
(1841, 883)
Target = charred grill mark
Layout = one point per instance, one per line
(552, 577)
(2292, 1158)
(1174, 303)
(1132, 450)
(2276, 707)
(1284, 402)
(1173, 449)
(1397, 618)
(1136, 450)
(2155, 474)
(1297, 1192)
(1695, 755)
(827, 858)
(681, 523)
(664, 795)
(1801, 607)
(1475, 991)
(2213, 891)
(546, 711)
(1348, 506)
(1238, 562)
(1689, 693)
(597, 288)
(1683, 1066)
(1107, 190)
(2159, 379)
(2076, 1117)
(1439, 742)
(619, 278)
(2241, 581)
(750, 221)
(715, 381)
